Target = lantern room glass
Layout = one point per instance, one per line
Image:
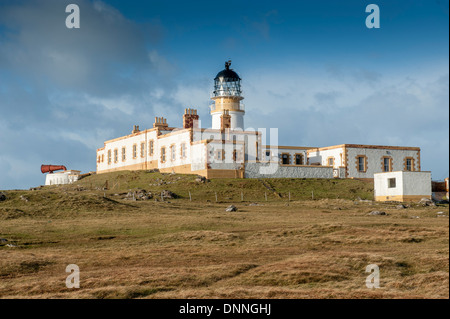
(227, 87)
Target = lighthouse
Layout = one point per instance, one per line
(227, 111)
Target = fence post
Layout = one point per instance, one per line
(265, 195)
(190, 197)
(312, 194)
(216, 196)
(289, 196)
(242, 196)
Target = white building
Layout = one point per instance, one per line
(61, 178)
(363, 161)
(402, 186)
(227, 150)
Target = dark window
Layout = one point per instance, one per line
(386, 164)
(361, 165)
(408, 164)
(391, 183)
(298, 159)
(267, 153)
(285, 159)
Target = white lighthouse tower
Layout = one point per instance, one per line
(227, 110)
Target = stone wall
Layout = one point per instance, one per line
(252, 170)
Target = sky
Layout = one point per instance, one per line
(312, 69)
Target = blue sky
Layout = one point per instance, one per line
(310, 68)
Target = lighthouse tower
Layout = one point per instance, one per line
(227, 110)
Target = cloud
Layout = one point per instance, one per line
(65, 91)
(399, 108)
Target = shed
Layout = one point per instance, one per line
(402, 186)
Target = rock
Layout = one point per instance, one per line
(25, 199)
(2, 197)
(3, 240)
(168, 194)
(11, 245)
(376, 212)
(231, 208)
(440, 213)
(414, 217)
(426, 202)
(401, 206)
(200, 179)
(253, 204)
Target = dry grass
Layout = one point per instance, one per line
(182, 249)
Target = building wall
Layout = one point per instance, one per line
(375, 160)
(237, 119)
(252, 170)
(131, 163)
(174, 140)
(277, 151)
(409, 186)
(251, 139)
(61, 178)
(226, 150)
(346, 156)
(322, 157)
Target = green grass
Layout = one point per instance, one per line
(229, 189)
(181, 249)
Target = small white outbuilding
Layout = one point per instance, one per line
(402, 186)
(60, 178)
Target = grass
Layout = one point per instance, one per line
(194, 249)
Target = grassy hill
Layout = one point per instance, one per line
(177, 248)
(231, 189)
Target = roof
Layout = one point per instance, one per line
(227, 74)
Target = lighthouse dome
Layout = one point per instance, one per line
(227, 82)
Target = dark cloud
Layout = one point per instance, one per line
(65, 91)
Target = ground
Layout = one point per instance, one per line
(317, 245)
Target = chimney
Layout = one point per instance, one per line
(135, 129)
(190, 118)
(225, 120)
(160, 123)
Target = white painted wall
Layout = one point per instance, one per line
(275, 154)
(322, 157)
(237, 120)
(407, 183)
(61, 178)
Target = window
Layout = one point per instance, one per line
(361, 163)
(124, 157)
(116, 155)
(285, 159)
(409, 164)
(391, 183)
(163, 154)
(267, 153)
(183, 150)
(387, 164)
(234, 156)
(330, 161)
(257, 151)
(109, 156)
(103, 158)
(134, 150)
(172, 153)
(98, 159)
(298, 159)
(220, 155)
(150, 148)
(142, 149)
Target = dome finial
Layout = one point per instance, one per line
(227, 64)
